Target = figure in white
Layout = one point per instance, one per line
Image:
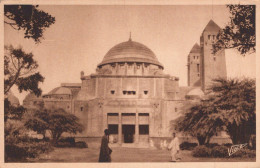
(111, 139)
(165, 144)
(161, 144)
(151, 143)
(174, 146)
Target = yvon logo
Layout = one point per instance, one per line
(235, 148)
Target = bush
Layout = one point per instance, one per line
(212, 145)
(81, 144)
(188, 146)
(201, 151)
(252, 143)
(23, 150)
(228, 145)
(219, 151)
(245, 152)
(66, 142)
(70, 140)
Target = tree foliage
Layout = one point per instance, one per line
(12, 112)
(56, 121)
(240, 31)
(28, 18)
(228, 105)
(20, 69)
(236, 101)
(196, 121)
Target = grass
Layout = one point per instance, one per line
(125, 155)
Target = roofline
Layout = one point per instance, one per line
(158, 64)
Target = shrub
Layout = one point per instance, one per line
(66, 142)
(212, 145)
(252, 142)
(70, 140)
(188, 146)
(23, 150)
(246, 153)
(63, 145)
(201, 151)
(228, 145)
(219, 151)
(81, 144)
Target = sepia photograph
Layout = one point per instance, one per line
(128, 83)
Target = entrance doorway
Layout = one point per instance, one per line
(128, 133)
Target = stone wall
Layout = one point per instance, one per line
(212, 66)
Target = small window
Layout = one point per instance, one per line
(112, 114)
(198, 75)
(214, 58)
(145, 92)
(112, 92)
(133, 92)
(68, 107)
(194, 57)
(129, 92)
(213, 37)
(81, 109)
(208, 37)
(124, 92)
(113, 128)
(61, 98)
(198, 67)
(143, 114)
(176, 109)
(144, 129)
(128, 114)
(197, 57)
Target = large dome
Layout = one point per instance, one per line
(130, 51)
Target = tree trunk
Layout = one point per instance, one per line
(201, 139)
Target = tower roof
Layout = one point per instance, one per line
(212, 27)
(195, 48)
(130, 51)
(60, 91)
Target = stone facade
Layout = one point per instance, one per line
(203, 65)
(130, 95)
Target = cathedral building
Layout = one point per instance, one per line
(131, 95)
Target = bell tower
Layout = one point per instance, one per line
(194, 66)
(212, 65)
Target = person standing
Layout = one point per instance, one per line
(174, 146)
(105, 151)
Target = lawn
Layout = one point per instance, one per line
(120, 154)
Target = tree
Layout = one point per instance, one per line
(28, 18)
(228, 105)
(38, 122)
(56, 121)
(20, 69)
(236, 103)
(12, 112)
(200, 120)
(240, 31)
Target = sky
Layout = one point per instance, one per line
(83, 34)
